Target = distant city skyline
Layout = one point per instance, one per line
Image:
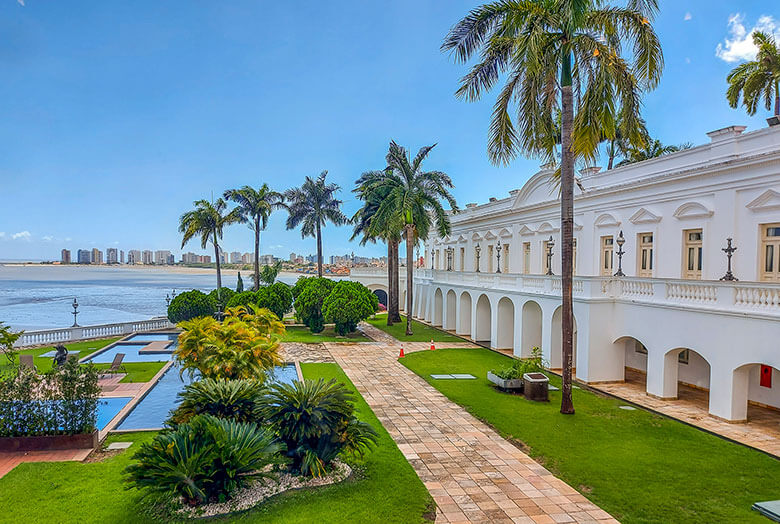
(107, 145)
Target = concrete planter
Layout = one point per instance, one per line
(536, 386)
(515, 384)
(50, 442)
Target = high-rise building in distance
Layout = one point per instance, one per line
(84, 256)
(97, 256)
(65, 256)
(235, 257)
(161, 257)
(112, 256)
(147, 257)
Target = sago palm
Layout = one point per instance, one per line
(757, 79)
(256, 206)
(208, 221)
(311, 206)
(653, 149)
(548, 52)
(412, 202)
(370, 230)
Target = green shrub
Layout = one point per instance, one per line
(239, 283)
(316, 421)
(348, 304)
(518, 368)
(237, 400)
(308, 305)
(277, 297)
(242, 299)
(189, 305)
(225, 295)
(300, 284)
(205, 460)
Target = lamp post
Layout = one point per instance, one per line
(167, 300)
(75, 312)
(477, 249)
(550, 244)
(498, 256)
(620, 253)
(729, 250)
(450, 253)
(433, 252)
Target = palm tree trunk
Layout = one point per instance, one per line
(567, 232)
(257, 253)
(219, 271)
(396, 284)
(390, 290)
(409, 276)
(611, 154)
(319, 251)
(777, 98)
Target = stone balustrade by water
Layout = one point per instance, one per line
(74, 334)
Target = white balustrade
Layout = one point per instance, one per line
(72, 334)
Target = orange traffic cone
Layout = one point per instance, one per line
(402, 352)
(433, 347)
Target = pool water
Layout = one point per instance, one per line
(151, 337)
(131, 354)
(108, 408)
(154, 409)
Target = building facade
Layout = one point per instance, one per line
(134, 256)
(65, 256)
(97, 256)
(112, 255)
(666, 224)
(162, 257)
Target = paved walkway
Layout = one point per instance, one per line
(473, 474)
(761, 431)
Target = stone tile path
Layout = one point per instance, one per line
(762, 431)
(9, 460)
(473, 474)
(294, 351)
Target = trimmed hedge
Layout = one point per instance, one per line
(347, 304)
(189, 305)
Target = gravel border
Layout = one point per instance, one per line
(263, 489)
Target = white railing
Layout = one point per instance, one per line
(743, 297)
(72, 334)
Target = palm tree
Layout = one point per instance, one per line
(313, 205)
(757, 79)
(371, 230)
(653, 149)
(256, 205)
(412, 203)
(547, 51)
(619, 144)
(208, 220)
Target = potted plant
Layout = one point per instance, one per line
(510, 378)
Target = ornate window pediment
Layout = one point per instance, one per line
(546, 227)
(644, 216)
(489, 235)
(693, 210)
(607, 220)
(505, 233)
(525, 230)
(462, 239)
(768, 200)
(476, 236)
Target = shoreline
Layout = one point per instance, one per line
(162, 269)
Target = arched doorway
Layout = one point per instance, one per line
(687, 376)
(556, 360)
(381, 294)
(505, 327)
(451, 310)
(633, 355)
(438, 307)
(464, 325)
(482, 328)
(531, 333)
(756, 393)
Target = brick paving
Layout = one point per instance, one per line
(761, 431)
(299, 352)
(473, 474)
(9, 460)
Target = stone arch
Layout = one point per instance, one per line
(531, 331)
(438, 307)
(505, 327)
(749, 394)
(464, 323)
(482, 320)
(381, 294)
(686, 367)
(556, 359)
(451, 310)
(632, 356)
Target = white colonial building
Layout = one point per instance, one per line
(670, 316)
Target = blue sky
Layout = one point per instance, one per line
(115, 116)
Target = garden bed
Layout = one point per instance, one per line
(50, 442)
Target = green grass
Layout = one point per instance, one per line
(638, 466)
(422, 333)
(303, 334)
(44, 364)
(384, 489)
(137, 371)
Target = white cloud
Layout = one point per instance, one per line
(2, 234)
(687, 60)
(22, 235)
(68, 239)
(738, 45)
(47, 238)
(687, 16)
(20, 2)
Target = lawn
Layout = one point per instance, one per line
(137, 371)
(385, 488)
(422, 333)
(638, 466)
(304, 335)
(44, 364)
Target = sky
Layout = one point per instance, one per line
(116, 116)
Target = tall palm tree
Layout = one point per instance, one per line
(208, 221)
(412, 201)
(653, 149)
(311, 206)
(371, 230)
(256, 205)
(757, 79)
(548, 51)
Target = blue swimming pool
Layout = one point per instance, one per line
(108, 408)
(153, 410)
(151, 337)
(131, 352)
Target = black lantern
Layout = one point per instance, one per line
(550, 244)
(498, 256)
(620, 253)
(729, 250)
(477, 249)
(75, 312)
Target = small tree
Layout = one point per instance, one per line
(308, 305)
(300, 285)
(277, 297)
(239, 284)
(242, 299)
(189, 305)
(222, 296)
(348, 304)
(7, 340)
